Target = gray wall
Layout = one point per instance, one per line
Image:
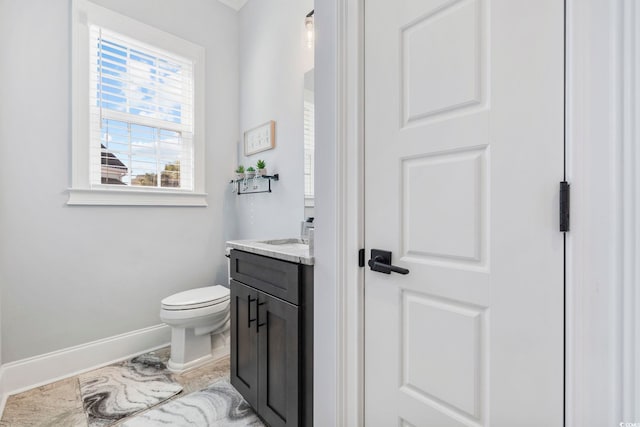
(273, 60)
(70, 275)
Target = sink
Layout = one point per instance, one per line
(284, 242)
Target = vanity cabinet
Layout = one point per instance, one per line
(272, 337)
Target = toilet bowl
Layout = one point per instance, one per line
(193, 316)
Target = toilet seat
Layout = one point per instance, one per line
(196, 298)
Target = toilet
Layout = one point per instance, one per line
(199, 321)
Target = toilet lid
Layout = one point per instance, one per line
(196, 298)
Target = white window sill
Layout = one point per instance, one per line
(129, 197)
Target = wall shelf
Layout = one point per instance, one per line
(257, 184)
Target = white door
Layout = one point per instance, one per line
(464, 153)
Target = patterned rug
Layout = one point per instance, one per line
(218, 405)
(121, 390)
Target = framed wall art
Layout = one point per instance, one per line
(260, 138)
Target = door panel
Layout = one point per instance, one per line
(279, 368)
(449, 34)
(447, 366)
(244, 342)
(455, 235)
(463, 155)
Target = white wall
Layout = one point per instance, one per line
(325, 387)
(4, 26)
(71, 275)
(273, 60)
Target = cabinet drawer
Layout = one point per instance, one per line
(273, 276)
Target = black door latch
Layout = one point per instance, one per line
(381, 262)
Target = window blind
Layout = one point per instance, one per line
(309, 145)
(141, 102)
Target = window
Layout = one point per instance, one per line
(137, 99)
(309, 145)
(141, 113)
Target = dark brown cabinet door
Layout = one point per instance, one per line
(244, 342)
(278, 362)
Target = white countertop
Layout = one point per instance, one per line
(292, 252)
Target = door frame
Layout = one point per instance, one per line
(602, 377)
(603, 124)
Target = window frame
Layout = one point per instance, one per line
(82, 191)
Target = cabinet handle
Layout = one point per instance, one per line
(249, 301)
(258, 324)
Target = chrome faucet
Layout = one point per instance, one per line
(305, 228)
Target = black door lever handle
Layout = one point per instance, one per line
(377, 265)
(381, 262)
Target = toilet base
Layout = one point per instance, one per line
(189, 351)
(178, 368)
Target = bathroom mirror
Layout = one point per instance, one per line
(309, 143)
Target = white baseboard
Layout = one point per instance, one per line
(16, 377)
(3, 396)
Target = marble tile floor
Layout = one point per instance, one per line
(59, 404)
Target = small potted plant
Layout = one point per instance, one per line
(240, 172)
(262, 167)
(251, 172)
